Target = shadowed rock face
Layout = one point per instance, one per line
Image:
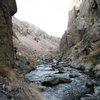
(7, 9)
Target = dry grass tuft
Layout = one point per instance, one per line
(93, 34)
(92, 57)
(8, 72)
(30, 60)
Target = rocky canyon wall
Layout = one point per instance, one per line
(7, 9)
(81, 40)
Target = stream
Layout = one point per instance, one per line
(75, 89)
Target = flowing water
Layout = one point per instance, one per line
(65, 91)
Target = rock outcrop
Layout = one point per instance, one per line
(12, 83)
(7, 9)
(81, 40)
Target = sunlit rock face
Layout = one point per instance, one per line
(82, 37)
(83, 20)
(7, 9)
(32, 40)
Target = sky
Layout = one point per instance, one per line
(49, 15)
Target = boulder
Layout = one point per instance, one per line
(97, 67)
(90, 85)
(98, 74)
(55, 81)
(73, 75)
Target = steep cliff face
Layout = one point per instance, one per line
(82, 37)
(7, 9)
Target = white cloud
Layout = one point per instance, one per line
(49, 15)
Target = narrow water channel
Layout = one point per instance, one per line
(73, 90)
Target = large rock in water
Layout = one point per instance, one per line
(55, 81)
(7, 9)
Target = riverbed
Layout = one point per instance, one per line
(76, 89)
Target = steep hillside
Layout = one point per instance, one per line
(81, 40)
(32, 40)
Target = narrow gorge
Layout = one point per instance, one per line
(38, 66)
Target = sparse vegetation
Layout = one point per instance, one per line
(93, 57)
(31, 60)
(8, 72)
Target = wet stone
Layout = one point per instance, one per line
(90, 98)
(73, 75)
(56, 81)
